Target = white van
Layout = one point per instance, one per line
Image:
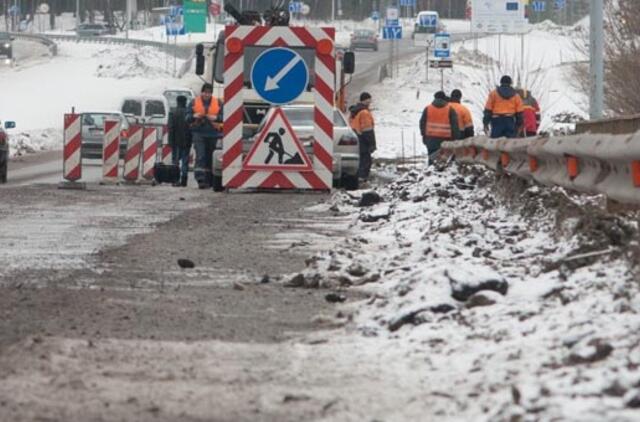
(427, 22)
(149, 110)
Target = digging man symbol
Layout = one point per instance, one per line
(275, 145)
(274, 139)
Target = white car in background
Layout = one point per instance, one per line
(147, 110)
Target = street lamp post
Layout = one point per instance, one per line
(596, 67)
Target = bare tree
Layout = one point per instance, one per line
(622, 62)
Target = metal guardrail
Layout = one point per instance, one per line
(588, 163)
(183, 52)
(614, 126)
(53, 47)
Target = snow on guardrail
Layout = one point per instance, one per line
(588, 163)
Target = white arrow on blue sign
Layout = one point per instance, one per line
(392, 32)
(279, 75)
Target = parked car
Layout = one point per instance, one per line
(4, 150)
(364, 38)
(92, 29)
(92, 134)
(6, 49)
(171, 94)
(346, 156)
(148, 110)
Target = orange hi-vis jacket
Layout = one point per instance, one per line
(198, 107)
(438, 123)
(362, 122)
(465, 121)
(502, 107)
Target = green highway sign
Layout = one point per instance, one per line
(195, 15)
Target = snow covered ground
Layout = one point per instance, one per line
(505, 302)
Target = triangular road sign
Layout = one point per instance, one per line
(277, 148)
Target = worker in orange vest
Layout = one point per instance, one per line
(204, 117)
(503, 111)
(465, 121)
(439, 123)
(362, 123)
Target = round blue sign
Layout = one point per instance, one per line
(279, 75)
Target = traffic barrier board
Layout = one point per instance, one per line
(237, 173)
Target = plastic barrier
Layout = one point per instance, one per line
(589, 163)
(132, 156)
(149, 152)
(111, 151)
(72, 157)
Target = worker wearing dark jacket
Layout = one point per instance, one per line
(204, 116)
(180, 138)
(503, 111)
(439, 123)
(362, 123)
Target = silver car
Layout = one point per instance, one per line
(93, 132)
(346, 158)
(92, 29)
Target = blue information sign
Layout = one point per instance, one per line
(375, 15)
(295, 7)
(279, 75)
(392, 32)
(428, 20)
(442, 45)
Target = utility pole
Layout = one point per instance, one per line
(596, 68)
(333, 10)
(77, 13)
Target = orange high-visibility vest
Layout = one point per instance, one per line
(438, 122)
(464, 115)
(503, 107)
(198, 107)
(362, 122)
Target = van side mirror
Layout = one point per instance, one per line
(349, 62)
(199, 59)
(9, 125)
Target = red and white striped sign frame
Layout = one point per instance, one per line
(71, 154)
(111, 151)
(234, 174)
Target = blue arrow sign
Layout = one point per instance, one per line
(279, 75)
(392, 32)
(428, 20)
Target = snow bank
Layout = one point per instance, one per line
(537, 335)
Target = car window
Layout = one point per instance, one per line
(132, 107)
(4, 36)
(97, 119)
(154, 107)
(338, 119)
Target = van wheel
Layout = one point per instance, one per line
(217, 184)
(350, 182)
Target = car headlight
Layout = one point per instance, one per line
(7, 45)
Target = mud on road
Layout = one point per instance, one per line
(100, 267)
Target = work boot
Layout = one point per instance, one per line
(183, 181)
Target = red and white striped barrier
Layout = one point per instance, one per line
(72, 157)
(111, 151)
(132, 156)
(236, 172)
(149, 152)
